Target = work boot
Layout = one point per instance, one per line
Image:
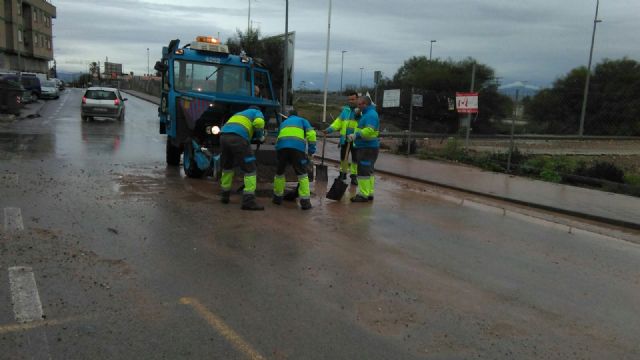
(249, 203)
(224, 196)
(354, 179)
(290, 195)
(359, 199)
(305, 204)
(343, 176)
(370, 197)
(277, 200)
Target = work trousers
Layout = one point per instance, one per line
(366, 158)
(236, 152)
(298, 160)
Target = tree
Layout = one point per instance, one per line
(438, 81)
(613, 106)
(269, 51)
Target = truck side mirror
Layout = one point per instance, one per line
(160, 67)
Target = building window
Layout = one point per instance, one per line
(49, 44)
(19, 35)
(35, 15)
(35, 40)
(19, 8)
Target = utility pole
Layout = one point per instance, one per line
(249, 19)
(513, 127)
(326, 67)
(410, 123)
(586, 84)
(431, 48)
(361, 69)
(148, 68)
(342, 70)
(285, 83)
(473, 83)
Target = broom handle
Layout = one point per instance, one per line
(346, 156)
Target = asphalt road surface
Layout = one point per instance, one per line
(105, 253)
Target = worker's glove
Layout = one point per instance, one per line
(312, 149)
(329, 130)
(351, 137)
(262, 139)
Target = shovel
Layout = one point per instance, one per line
(339, 187)
(322, 172)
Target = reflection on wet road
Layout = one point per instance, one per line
(133, 260)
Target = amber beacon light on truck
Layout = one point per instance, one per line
(210, 44)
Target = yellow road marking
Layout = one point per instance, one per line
(232, 337)
(11, 328)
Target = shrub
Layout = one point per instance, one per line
(604, 171)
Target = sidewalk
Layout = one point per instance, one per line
(591, 204)
(597, 205)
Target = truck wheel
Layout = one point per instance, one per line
(173, 154)
(189, 162)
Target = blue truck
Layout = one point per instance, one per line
(203, 85)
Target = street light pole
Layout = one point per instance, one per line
(249, 19)
(326, 67)
(586, 84)
(431, 48)
(342, 69)
(361, 69)
(148, 68)
(285, 83)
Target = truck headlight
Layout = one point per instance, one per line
(215, 130)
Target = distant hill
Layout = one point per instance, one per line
(68, 76)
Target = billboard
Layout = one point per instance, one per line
(110, 68)
(467, 103)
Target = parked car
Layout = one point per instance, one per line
(50, 90)
(30, 82)
(103, 102)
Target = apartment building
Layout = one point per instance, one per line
(26, 35)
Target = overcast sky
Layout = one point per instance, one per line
(535, 41)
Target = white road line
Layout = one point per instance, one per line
(13, 219)
(24, 294)
(28, 308)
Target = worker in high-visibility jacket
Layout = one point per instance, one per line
(235, 147)
(296, 139)
(367, 143)
(346, 124)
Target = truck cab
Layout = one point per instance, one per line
(203, 85)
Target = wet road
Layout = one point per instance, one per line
(133, 260)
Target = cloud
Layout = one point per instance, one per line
(533, 41)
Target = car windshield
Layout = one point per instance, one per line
(49, 84)
(191, 76)
(100, 95)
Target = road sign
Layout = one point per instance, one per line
(417, 100)
(391, 98)
(377, 76)
(467, 103)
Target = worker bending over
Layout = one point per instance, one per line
(235, 147)
(296, 138)
(346, 124)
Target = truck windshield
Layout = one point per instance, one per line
(201, 77)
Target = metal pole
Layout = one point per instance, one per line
(285, 83)
(326, 67)
(473, 83)
(410, 124)
(586, 84)
(249, 19)
(342, 70)
(431, 49)
(361, 69)
(513, 126)
(148, 69)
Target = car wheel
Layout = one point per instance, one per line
(121, 117)
(189, 163)
(173, 154)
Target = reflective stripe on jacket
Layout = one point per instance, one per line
(294, 133)
(246, 123)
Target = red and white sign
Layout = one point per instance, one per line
(467, 103)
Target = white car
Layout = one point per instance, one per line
(102, 102)
(49, 90)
